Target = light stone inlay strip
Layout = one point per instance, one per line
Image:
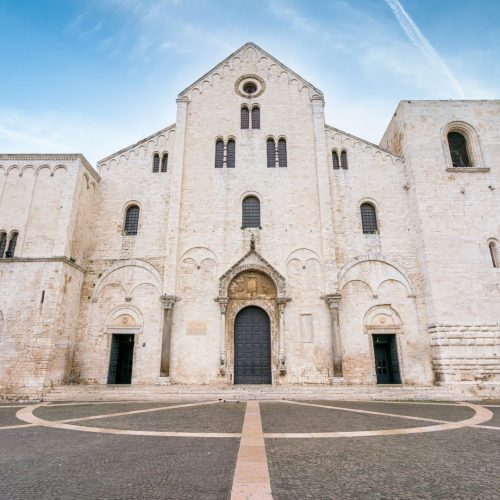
(26, 415)
(369, 412)
(251, 476)
(481, 415)
(16, 426)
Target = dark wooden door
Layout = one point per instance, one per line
(121, 359)
(386, 359)
(252, 347)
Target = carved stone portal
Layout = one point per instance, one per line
(252, 281)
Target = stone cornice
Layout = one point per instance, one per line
(64, 260)
(53, 157)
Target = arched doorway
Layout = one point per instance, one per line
(252, 347)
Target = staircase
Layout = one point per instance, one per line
(159, 393)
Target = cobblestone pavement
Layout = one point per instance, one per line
(41, 461)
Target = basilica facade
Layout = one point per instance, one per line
(252, 243)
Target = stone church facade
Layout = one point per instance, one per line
(252, 243)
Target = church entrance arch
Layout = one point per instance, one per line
(252, 347)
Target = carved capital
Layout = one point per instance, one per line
(333, 300)
(223, 301)
(281, 301)
(168, 301)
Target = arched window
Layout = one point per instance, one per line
(245, 117)
(164, 162)
(3, 244)
(335, 159)
(156, 163)
(131, 220)
(343, 159)
(458, 150)
(271, 153)
(231, 154)
(219, 153)
(12, 244)
(493, 253)
(256, 117)
(282, 162)
(369, 219)
(251, 212)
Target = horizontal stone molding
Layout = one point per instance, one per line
(64, 260)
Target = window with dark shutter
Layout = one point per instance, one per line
(251, 212)
(458, 150)
(271, 153)
(245, 117)
(256, 117)
(3, 244)
(231, 154)
(219, 153)
(156, 163)
(12, 245)
(131, 220)
(369, 219)
(335, 159)
(164, 162)
(282, 160)
(343, 159)
(493, 253)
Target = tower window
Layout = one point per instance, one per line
(156, 163)
(245, 118)
(458, 150)
(255, 117)
(369, 219)
(231, 154)
(335, 160)
(343, 159)
(12, 244)
(164, 162)
(3, 244)
(219, 153)
(282, 159)
(271, 153)
(251, 212)
(493, 253)
(131, 220)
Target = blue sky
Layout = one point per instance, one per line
(93, 76)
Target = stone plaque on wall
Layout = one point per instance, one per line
(306, 328)
(196, 328)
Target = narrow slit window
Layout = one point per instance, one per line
(245, 118)
(164, 162)
(3, 244)
(12, 245)
(255, 117)
(335, 160)
(219, 153)
(156, 163)
(493, 253)
(251, 212)
(282, 160)
(131, 220)
(458, 150)
(271, 153)
(343, 159)
(369, 219)
(231, 154)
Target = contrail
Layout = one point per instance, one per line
(419, 40)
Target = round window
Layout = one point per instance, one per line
(250, 88)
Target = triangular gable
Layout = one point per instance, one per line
(252, 260)
(242, 52)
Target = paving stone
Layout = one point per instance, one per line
(8, 416)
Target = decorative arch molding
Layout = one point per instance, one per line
(124, 319)
(252, 261)
(473, 143)
(353, 271)
(303, 255)
(101, 283)
(199, 255)
(382, 318)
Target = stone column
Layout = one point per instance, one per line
(168, 302)
(333, 300)
(282, 352)
(223, 352)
